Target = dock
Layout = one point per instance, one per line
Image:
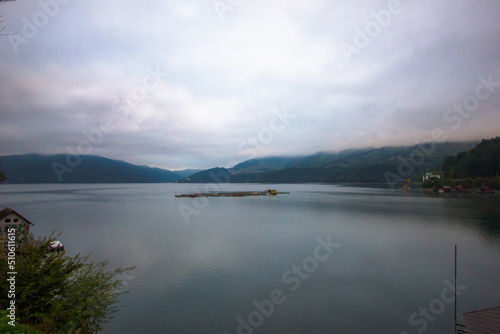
(268, 192)
(486, 321)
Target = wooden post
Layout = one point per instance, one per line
(455, 292)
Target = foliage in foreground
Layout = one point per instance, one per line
(56, 293)
(5, 328)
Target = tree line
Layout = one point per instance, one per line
(482, 161)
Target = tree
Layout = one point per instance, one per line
(56, 293)
(432, 182)
(481, 161)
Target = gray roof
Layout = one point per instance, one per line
(7, 211)
(485, 321)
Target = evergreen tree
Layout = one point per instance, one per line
(481, 161)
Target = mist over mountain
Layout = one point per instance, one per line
(367, 165)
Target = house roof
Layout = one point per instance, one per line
(485, 321)
(7, 211)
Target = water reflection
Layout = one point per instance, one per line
(396, 250)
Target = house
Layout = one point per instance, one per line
(486, 190)
(10, 218)
(428, 176)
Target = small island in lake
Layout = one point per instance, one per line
(269, 192)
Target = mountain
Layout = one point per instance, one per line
(213, 175)
(322, 159)
(182, 174)
(248, 167)
(61, 168)
(367, 165)
(262, 165)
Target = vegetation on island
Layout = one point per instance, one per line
(56, 293)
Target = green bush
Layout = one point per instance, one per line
(495, 183)
(432, 182)
(6, 328)
(467, 183)
(60, 294)
(478, 182)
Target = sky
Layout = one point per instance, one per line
(205, 83)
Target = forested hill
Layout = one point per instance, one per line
(369, 165)
(36, 168)
(480, 161)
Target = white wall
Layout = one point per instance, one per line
(21, 223)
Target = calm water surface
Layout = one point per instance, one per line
(211, 266)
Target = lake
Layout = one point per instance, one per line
(322, 259)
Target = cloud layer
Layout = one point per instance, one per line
(238, 79)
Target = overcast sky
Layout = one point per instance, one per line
(204, 83)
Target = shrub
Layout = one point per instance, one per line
(6, 328)
(56, 293)
(432, 182)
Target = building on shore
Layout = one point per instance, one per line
(427, 176)
(11, 219)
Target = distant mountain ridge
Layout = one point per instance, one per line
(37, 168)
(267, 164)
(367, 165)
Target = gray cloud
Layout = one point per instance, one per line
(226, 78)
